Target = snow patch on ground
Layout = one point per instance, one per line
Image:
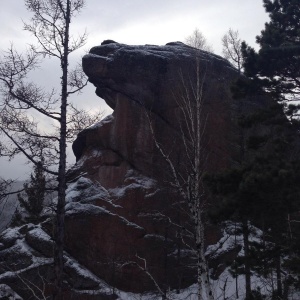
(7, 293)
(227, 243)
(233, 238)
(40, 234)
(21, 247)
(11, 234)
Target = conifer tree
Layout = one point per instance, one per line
(263, 190)
(33, 200)
(276, 66)
(275, 70)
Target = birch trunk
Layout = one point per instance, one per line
(278, 275)
(189, 181)
(204, 287)
(247, 263)
(197, 202)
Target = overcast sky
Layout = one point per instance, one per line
(134, 22)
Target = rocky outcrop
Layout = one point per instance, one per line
(124, 217)
(144, 86)
(141, 82)
(26, 266)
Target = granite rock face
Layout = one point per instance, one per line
(123, 216)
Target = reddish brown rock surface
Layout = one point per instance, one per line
(142, 84)
(145, 81)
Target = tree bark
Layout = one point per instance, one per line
(247, 262)
(61, 199)
(278, 275)
(202, 267)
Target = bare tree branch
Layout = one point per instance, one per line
(232, 48)
(198, 41)
(188, 181)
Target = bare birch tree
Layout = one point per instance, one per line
(198, 41)
(23, 100)
(189, 181)
(232, 48)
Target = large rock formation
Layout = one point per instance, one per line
(144, 86)
(141, 82)
(123, 214)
